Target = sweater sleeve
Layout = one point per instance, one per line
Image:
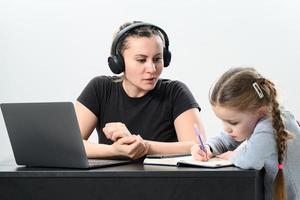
(255, 151)
(222, 143)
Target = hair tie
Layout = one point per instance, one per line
(280, 166)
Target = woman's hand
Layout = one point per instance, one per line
(133, 147)
(226, 155)
(116, 130)
(200, 155)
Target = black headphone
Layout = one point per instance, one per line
(116, 61)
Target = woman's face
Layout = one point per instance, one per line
(143, 59)
(238, 125)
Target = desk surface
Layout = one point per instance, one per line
(149, 181)
(129, 170)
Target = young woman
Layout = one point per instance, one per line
(137, 113)
(257, 131)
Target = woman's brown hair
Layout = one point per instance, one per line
(143, 31)
(244, 89)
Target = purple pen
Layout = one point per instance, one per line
(201, 145)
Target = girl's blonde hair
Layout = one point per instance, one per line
(244, 89)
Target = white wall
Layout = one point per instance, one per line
(49, 50)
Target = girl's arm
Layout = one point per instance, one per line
(222, 143)
(185, 134)
(255, 151)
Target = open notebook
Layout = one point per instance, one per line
(185, 160)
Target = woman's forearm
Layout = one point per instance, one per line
(169, 147)
(94, 150)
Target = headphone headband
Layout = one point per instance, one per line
(123, 32)
(116, 61)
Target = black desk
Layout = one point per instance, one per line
(133, 181)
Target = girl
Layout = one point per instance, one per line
(257, 132)
(138, 102)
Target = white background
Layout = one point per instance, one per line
(50, 49)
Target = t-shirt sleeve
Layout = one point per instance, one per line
(183, 99)
(90, 96)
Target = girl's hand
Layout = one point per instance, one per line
(115, 131)
(226, 155)
(133, 147)
(200, 155)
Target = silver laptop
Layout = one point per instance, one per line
(48, 135)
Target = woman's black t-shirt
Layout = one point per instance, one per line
(151, 116)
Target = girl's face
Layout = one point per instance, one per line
(143, 64)
(238, 125)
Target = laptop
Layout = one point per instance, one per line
(48, 135)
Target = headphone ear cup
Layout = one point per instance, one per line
(116, 64)
(167, 57)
